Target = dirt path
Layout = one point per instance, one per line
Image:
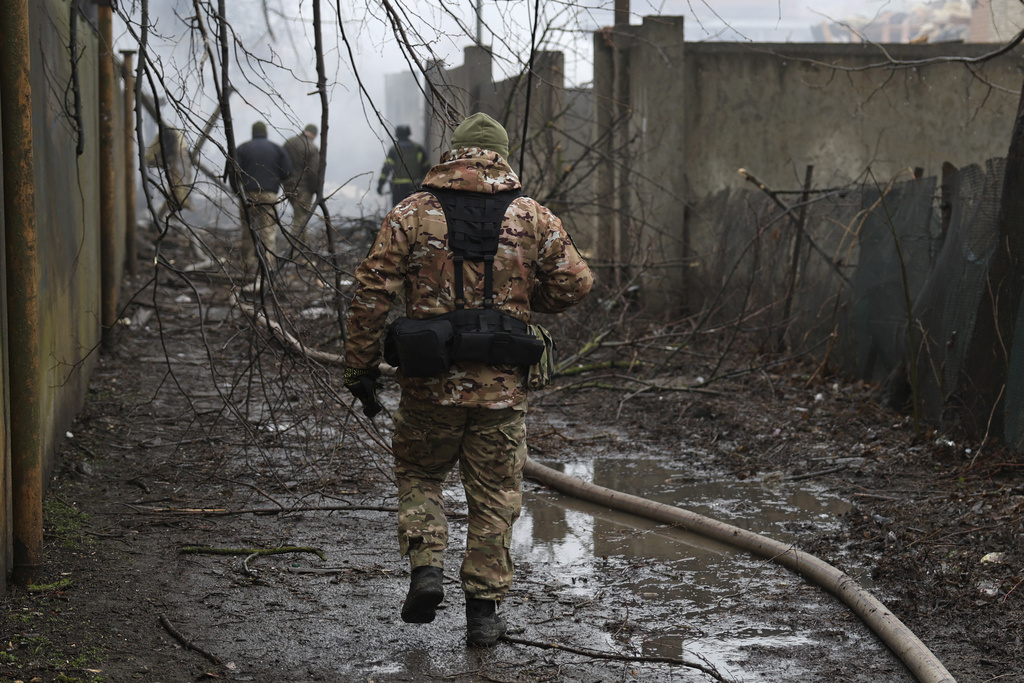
(194, 436)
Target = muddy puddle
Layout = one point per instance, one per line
(696, 581)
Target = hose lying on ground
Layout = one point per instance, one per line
(917, 658)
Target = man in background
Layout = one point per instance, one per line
(169, 153)
(301, 186)
(405, 166)
(262, 166)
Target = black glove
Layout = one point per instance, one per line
(380, 186)
(362, 383)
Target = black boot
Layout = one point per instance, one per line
(426, 590)
(483, 625)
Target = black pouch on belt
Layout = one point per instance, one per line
(421, 348)
(493, 338)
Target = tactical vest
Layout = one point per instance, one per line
(427, 347)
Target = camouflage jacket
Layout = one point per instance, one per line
(305, 157)
(536, 268)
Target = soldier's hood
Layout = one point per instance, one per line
(472, 169)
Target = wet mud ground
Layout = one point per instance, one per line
(199, 433)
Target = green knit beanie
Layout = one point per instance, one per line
(259, 130)
(480, 130)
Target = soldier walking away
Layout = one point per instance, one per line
(475, 258)
(406, 165)
(262, 166)
(169, 153)
(301, 186)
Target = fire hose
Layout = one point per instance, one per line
(925, 667)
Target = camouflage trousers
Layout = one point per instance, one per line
(263, 213)
(301, 200)
(490, 447)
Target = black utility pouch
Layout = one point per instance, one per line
(517, 349)
(421, 348)
(474, 347)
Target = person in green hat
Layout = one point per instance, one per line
(469, 247)
(301, 186)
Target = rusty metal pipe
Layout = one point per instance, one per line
(22, 292)
(108, 269)
(129, 161)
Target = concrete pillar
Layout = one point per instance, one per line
(606, 249)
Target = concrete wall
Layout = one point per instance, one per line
(68, 212)
(535, 153)
(403, 104)
(675, 122)
(774, 109)
(67, 206)
(640, 135)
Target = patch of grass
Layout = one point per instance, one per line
(66, 523)
(61, 585)
(88, 658)
(34, 654)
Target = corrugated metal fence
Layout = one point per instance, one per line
(864, 256)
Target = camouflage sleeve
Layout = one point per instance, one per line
(563, 276)
(153, 153)
(379, 278)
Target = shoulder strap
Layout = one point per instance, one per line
(474, 224)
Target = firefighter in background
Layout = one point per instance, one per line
(406, 166)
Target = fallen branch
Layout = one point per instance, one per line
(593, 345)
(204, 550)
(186, 643)
(606, 365)
(221, 512)
(818, 473)
(649, 386)
(326, 571)
(292, 343)
(788, 210)
(706, 667)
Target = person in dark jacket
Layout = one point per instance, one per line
(406, 166)
(262, 166)
(302, 185)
